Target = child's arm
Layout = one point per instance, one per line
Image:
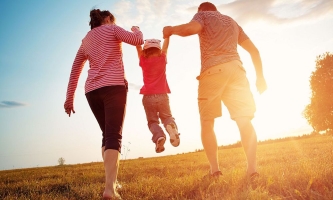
(165, 45)
(139, 50)
(136, 29)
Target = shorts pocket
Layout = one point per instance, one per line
(214, 71)
(210, 72)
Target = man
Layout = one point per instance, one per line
(223, 78)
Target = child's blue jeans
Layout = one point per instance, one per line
(157, 107)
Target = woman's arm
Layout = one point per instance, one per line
(77, 67)
(133, 38)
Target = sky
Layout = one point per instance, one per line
(39, 40)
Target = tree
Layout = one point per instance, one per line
(319, 113)
(61, 161)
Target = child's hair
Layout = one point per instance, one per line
(151, 51)
(151, 47)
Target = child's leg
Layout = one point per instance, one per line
(149, 103)
(157, 131)
(158, 137)
(168, 121)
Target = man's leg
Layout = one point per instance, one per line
(209, 143)
(249, 142)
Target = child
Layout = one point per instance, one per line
(155, 92)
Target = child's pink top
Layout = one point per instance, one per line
(154, 76)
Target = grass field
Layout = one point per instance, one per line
(299, 168)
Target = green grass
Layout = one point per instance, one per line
(299, 168)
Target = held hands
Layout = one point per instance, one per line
(261, 84)
(167, 31)
(135, 28)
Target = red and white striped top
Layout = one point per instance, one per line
(102, 48)
(219, 37)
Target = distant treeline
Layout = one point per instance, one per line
(270, 141)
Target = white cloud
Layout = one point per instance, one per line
(158, 13)
(276, 11)
(141, 12)
(153, 13)
(123, 13)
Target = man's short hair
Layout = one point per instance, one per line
(207, 6)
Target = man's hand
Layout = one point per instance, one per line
(261, 84)
(167, 31)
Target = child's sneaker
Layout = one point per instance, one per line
(160, 145)
(174, 135)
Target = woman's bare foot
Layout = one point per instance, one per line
(108, 195)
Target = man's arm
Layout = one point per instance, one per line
(165, 45)
(256, 60)
(191, 28)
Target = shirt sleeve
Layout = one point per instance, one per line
(132, 38)
(241, 35)
(198, 17)
(77, 67)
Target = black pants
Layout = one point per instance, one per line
(109, 106)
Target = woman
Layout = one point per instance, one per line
(105, 87)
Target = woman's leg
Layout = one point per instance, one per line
(115, 108)
(111, 165)
(103, 149)
(108, 105)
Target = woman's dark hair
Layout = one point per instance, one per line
(207, 6)
(97, 17)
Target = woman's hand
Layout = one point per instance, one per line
(135, 28)
(69, 108)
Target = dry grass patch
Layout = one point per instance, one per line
(299, 168)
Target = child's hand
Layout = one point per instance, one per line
(135, 28)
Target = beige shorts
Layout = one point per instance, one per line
(228, 83)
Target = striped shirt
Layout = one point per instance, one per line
(219, 37)
(102, 48)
